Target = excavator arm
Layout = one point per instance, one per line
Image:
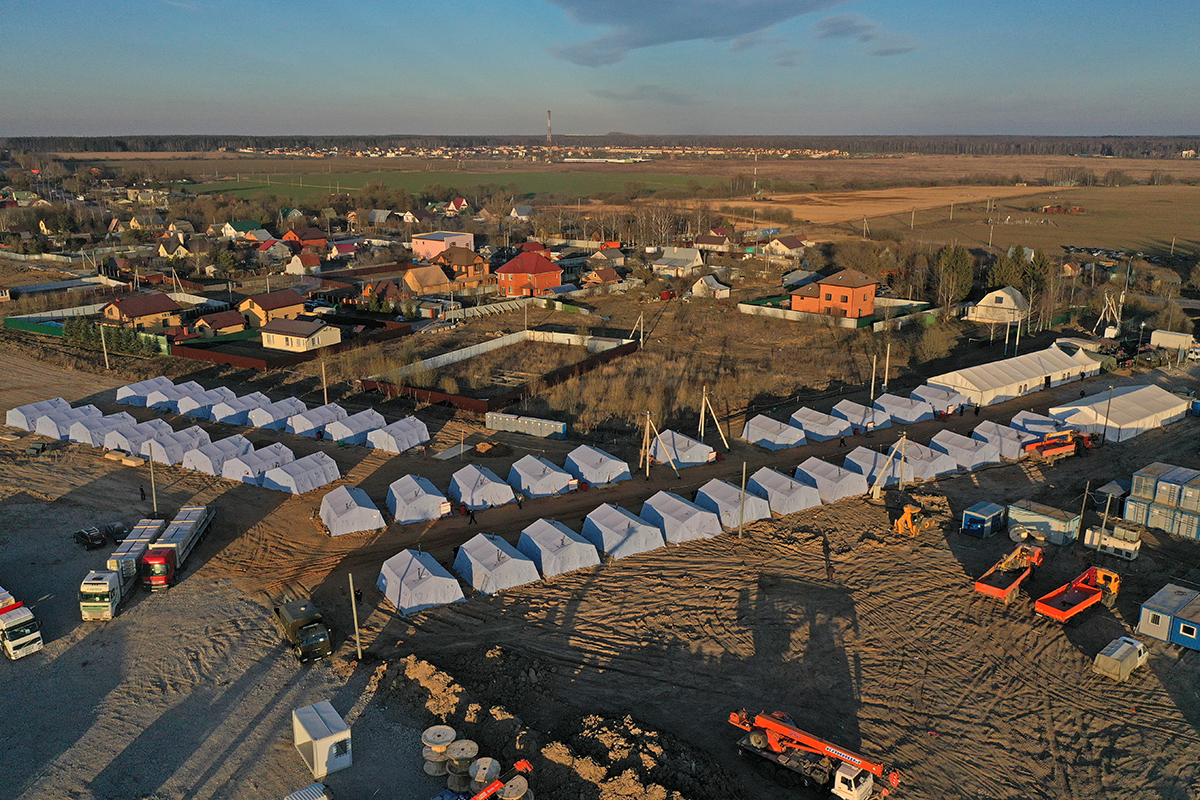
(778, 734)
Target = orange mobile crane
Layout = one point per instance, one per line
(1060, 444)
(792, 757)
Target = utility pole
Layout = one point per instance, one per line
(874, 360)
(742, 507)
(887, 364)
(324, 385)
(354, 608)
(912, 219)
(104, 347)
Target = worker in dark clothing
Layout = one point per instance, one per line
(142, 490)
(841, 443)
(471, 520)
(977, 409)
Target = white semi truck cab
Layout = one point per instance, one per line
(103, 591)
(20, 633)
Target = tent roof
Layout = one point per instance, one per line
(348, 509)
(861, 415)
(413, 580)
(1130, 406)
(594, 465)
(892, 401)
(398, 436)
(363, 421)
(619, 532)
(316, 417)
(681, 520)
(491, 564)
(1035, 424)
(772, 433)
(556, 549)
(303, 474)
(938, 396)
(1027, 368)
(727, 502)
(683, 449)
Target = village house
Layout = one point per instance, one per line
(528, 275)
(418, 217)
(299, 335)
(999, 307)
(784, 247)
(303, 264)
(237, 229)
(848, 293)
(457, 206)
(181, 226)
(142, 311)
(678, 262)
(601, 276)
(426, 246)
(273, 250)
(714, 244)
(377, 217)
(386, 290)
(342, 250)
(263, 308)
(219, 323)
(424, 280)
(607, 257)
(311, 239)
(462, 262)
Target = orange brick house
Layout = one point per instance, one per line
(263, 308)
(528, 275)
(848, 293)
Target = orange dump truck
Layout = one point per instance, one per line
(1096, 585)
(1004, 579)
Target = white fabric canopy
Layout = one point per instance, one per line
(596, 467)
(129, 440)
(925, 462)
(490, 564)
(685, 451)
(832, 482)
(554, 548)
(92, 430)
(1012, 377)
(236, 410)
(860, 416)
(250, 467)
(167, 398)
(819, 427)
(785, 495)
(1010, 442)
(971, 454)
(904, 410)
(678, 519)
(874, 466)
(399, 436)
(274, 416)
(312, 423)
(170, 448)
(355, 428)
(134, 394)
(1035, 424)
(210, 458)
(619, 532)
(1133, 410)
(414, 581)
(200, 404)
(726, 501)
(348, 509)
(25, 417)
(302, 475)
(57, 424)
(771, 433)
(415, 499)
(479, 487)
(939, 398)
(534, 476)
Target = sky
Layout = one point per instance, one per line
(742, 67)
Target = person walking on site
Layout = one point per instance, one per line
(142, 491)
(471, 519)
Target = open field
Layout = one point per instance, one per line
(12, 275)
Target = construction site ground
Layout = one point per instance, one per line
(618, 680)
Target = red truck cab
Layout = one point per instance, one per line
(158, 568)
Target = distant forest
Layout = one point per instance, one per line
(1114, 146)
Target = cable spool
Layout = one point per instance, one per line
(458, 783)
(515, 789)
(437, 763)
(437, 768)
(463, 750)
(484, 771)
(438, 738)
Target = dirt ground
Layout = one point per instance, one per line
(20, 275)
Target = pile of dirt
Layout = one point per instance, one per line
(589, 757)
(493, 449)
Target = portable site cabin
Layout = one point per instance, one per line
(832, 483)
(534, 476)
(971, 454)
(92, 430)
(25, 417)
(940, 399)
(302, 475)
(1036, 425)
(490, 564)
(618, 532)
(399, 436)
(904, 410)
(312, 423)
(984, 519)
(415, 499)
(925, 463)
(678, 519)
(683, 450)
(1054, 525)
(1172, 615)
(593, 466)
(1013, 377)
(322, 738)
(129, 440)
(479, 487)
(274, 416)
(876, 467)
(784, 495)
(210, 458)
(1145, 480)
(250, 467)
(554, 548)
(819, 427)
(1111, 497)
(730, 505)
(236, 410)
(1009, 442)
(771, 433)
(348, 509)
(1124, 412)
(354, 428)
(1168, 491)
(57, 424)
(134, 394)
(167, 398)
(862, 417)
(170, 448)
(200, 404)
(414, 581)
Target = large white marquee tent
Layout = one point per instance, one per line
(970, 453)
(274, 416)
(534, 476)
(730, 505)
(618, 532)
(250, 467)
(831, 481)
(554, 548)
(683, 450)
(771, 433)
(348, 509)
(819, 427)
(210, 458)
(596, 467)
(478, 487)
(490, 564)
(415, 499)
(302, 475)
(1012, 377)
(399, 436)
(678, 519)
(414, 581)
(785, 495)
(1124, 412)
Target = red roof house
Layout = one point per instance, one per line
(528, 275)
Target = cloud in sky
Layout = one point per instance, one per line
(636, 24)
(856, 26)
(647, 93)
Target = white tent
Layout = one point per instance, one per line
(941, 399)
(25, 417)
(92, 430)
(971, 454)
(679, 520)
(904, 410)
(534, 476)
(728, 503)
(129, 440)
(596, 467)
(924, 462)
(170, 448)
(685, 451)
(302, 475)
(1132, 410)
(348, 509)
(134, 394)
(619, 533)
(771, 433)
(57, 424)
(236, 410)
(873, 466)
(414, 499)
(210, 458)
(860, 416)
(1035, 424)
(832, 482)
(819, 427)
(491, 564)
(274, 416)
(200, 405)
(1010, 442)
(1012, 377)
(554, 548)
(785, 495)
(167, 398)
(251, 467)
(312, 423)
(354, 428)
(479, 487)
(403, 434)
(414, 581)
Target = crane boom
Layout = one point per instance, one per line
(782, 734)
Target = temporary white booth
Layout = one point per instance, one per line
(322, 738)
(355, 428)
(819, 427)
(490, 564)
(415, 499)
(730, 504)
(200, 404)
(210, 458)
(771, 433)
(878, 466)
(861, 417)
(236, 410)
(413, 581)
(534, 476)
(92, 430)
(274, 416)
(1035, 425)
(348, 509)
(831, 481)
(1010, 442)
(680, 520)
(1124, 412)
(554, 548)
(167, 398)
(618, 532)
(170, 448)
(785, 495)
(25, 417)
(970, 453)
(940, 399)
(595, 467)
(134, 394)
(904, 410)
(399, 436)
(683, 450)
(302, 475)
(1012, 377)
(925, 463)
(129, 440)
(478, 487)
(57, 424)
(250, 467)
(312, 423)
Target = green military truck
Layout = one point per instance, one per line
(299, 624)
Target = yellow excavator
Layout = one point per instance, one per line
(912, 521)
